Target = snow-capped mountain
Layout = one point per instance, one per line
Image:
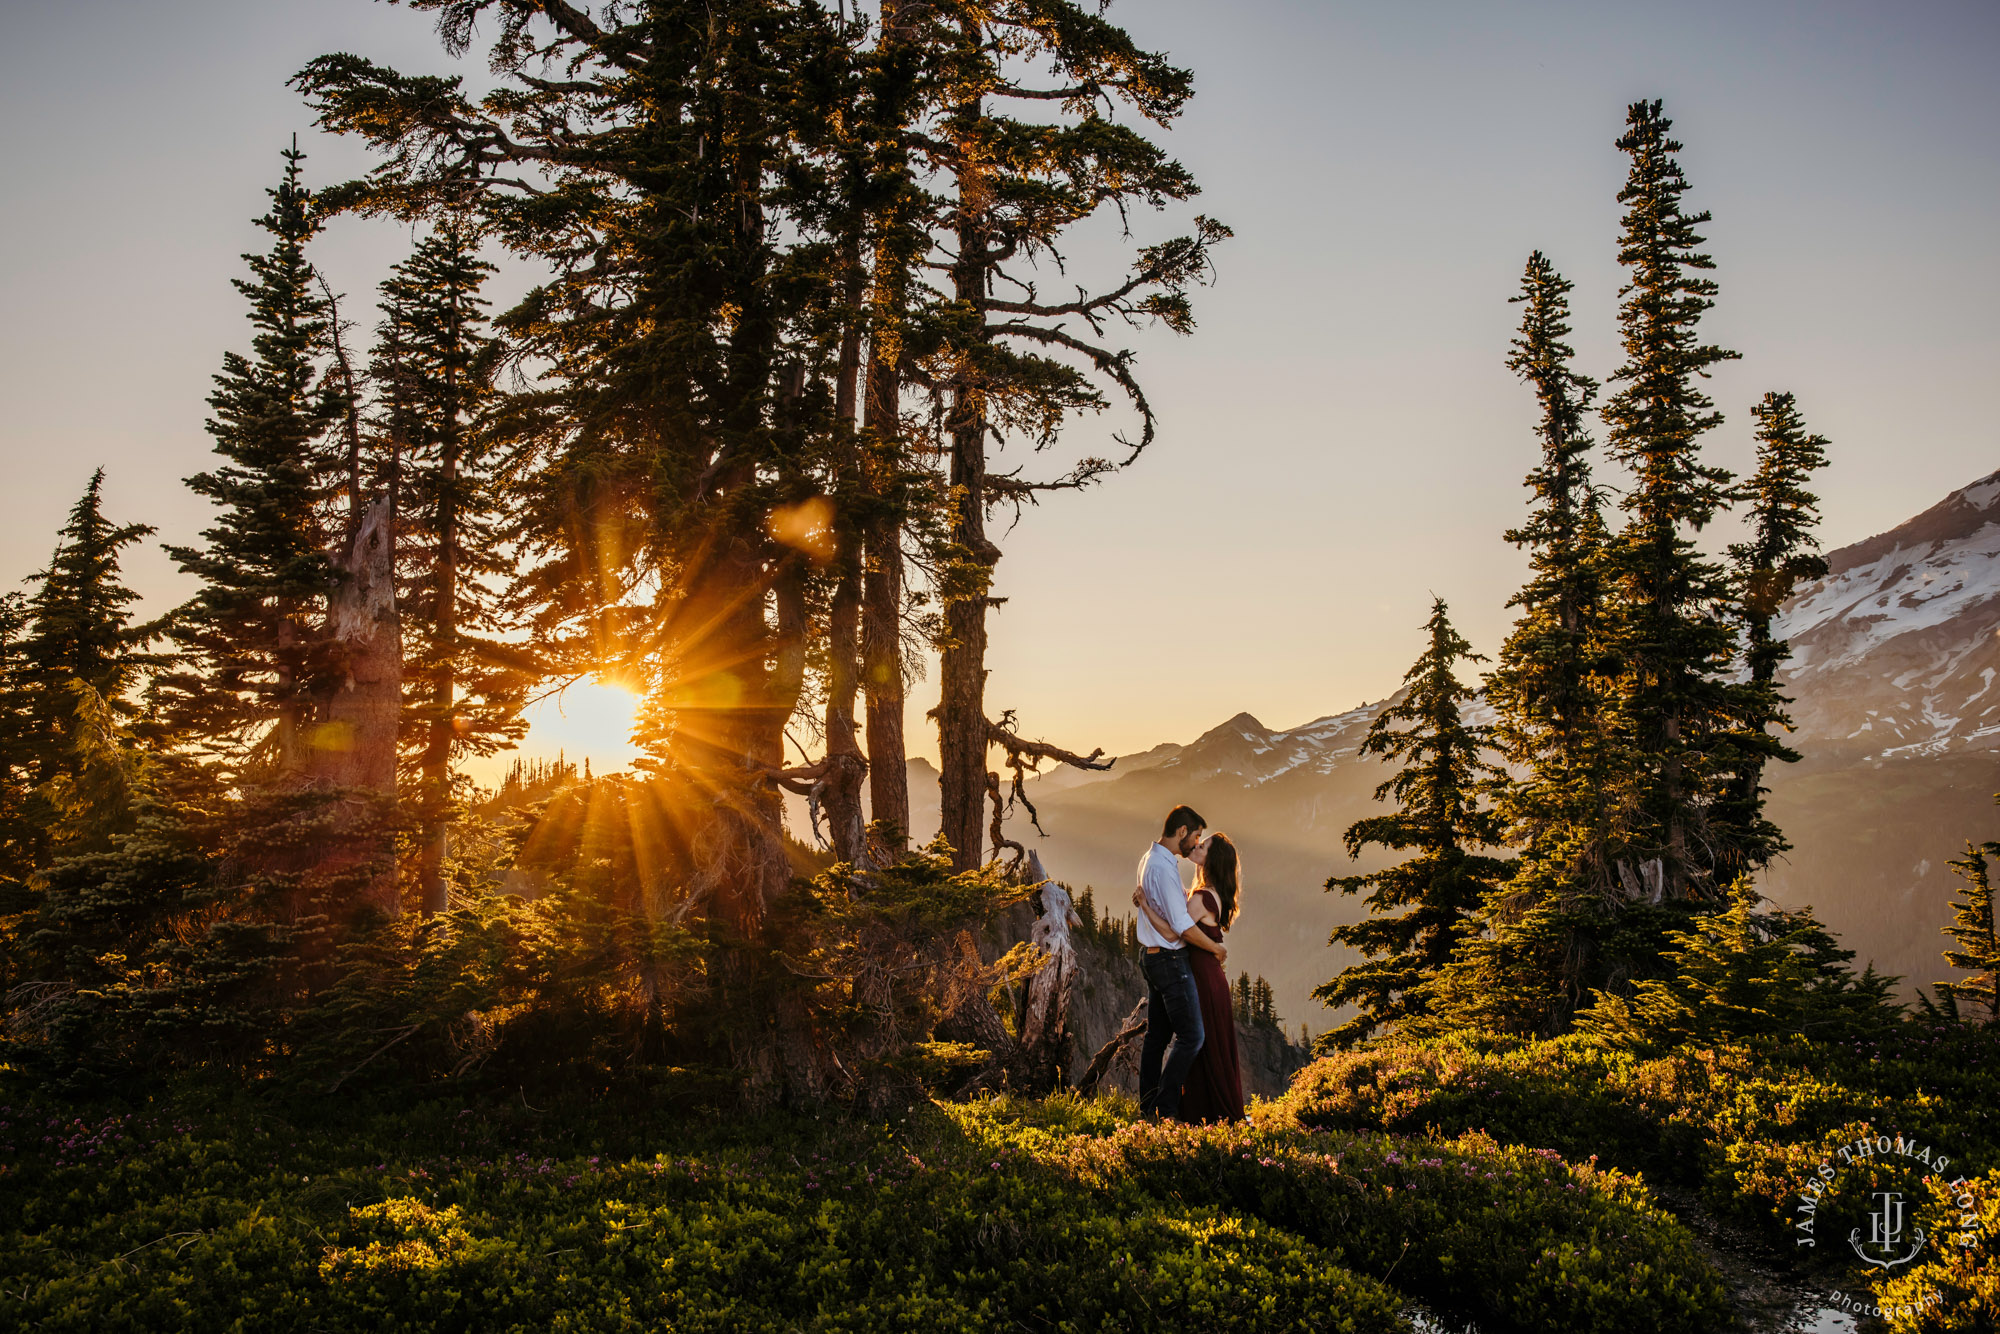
(1241, 752)
(1896, 651)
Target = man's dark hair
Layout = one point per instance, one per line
(1179, 818)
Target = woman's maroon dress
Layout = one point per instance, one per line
(1214, 1089)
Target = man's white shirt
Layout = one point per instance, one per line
(1160, 882)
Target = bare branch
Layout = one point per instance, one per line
(1115, 365)
(1025, 757)
(999, 837)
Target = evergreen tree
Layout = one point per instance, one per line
(1743, 974)
(1019, 364)
(17, 775)
(1548, 687)
(252, 653)
(463, 686)
(78, 655)
(1523, 969)
(900, 209)
(1434, 894)
(1263, 1004)
(106, 779)
(80, 629)
(1672, 699)
(1780, 554)
(1978, 952)
(673, 460)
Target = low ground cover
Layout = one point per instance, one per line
(1746, 1125)
(1006, 1213)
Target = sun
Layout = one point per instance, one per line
(589, 720)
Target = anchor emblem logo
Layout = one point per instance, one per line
(1885, 1234)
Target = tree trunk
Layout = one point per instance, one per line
(882, 675)
(840, 789)
(728, 733)
(436, 798)
(845, 768)
(1045, 1033)
(882, 540)
(354, 744)
(961, 715)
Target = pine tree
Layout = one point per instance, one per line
(17, 770)
(463, 686)
(1440, 815)
(1019, 364)
(105, 781)
(253, 654)
(1263, 1004)
(80, 628)
(1746, 974)
(1673, 649)
(1523, 969)
(894, 477)
(1548, 687)
(673, 460)
(1780, 554)
(1972, 926)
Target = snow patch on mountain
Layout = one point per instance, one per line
(1899, 644)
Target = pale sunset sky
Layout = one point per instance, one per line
(1338, 440)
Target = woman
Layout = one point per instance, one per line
(1214, 1089)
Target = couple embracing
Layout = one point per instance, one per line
(1187, 1067)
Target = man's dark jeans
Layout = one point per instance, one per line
(1173, 1010)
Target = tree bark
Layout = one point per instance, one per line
(845, 767)
(896, 253)
(1045, 1035)
(436, 797)
(840, 789)
(961, 715)
(356, 741)
(353, 745)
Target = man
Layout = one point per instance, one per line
(1173, 1007)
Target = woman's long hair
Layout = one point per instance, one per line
(1222, 872)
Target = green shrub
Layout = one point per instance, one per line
(1514, 1238)
(487, 1220)
(1743, 1123)
(1957, 1289)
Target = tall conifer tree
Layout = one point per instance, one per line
(1672, 701)
(250, 636)
(1976, 997)
(463, 686)
(1018, 364)
(900, 209)
(17, 773)
(1780, 554)
(80, 629)
(673, 456)
(1548, 688)
(1442, 816)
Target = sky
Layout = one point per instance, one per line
(1339, 439)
